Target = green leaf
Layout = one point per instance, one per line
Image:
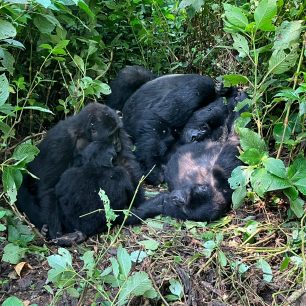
(252, 156)
(124, 261)
(282, 61)
(235, 16)
(115, 267)
(297, 170)
(73, 292)
(301, 185)
(25, 151)
(275, 166)
(176, 288)
(210, 245)
(89, 262)
(287, 34)
(7, 30)
(278, 132)
(79, 62)
(46, 23)
(13, 253)
(250, 139)
(12, 301)
(82, 5)
(4, 89)
(238, 197)
(11, 178)
(222, 259)
(266, 269)
(196, 4)
(150, 244)
(285, 263)
(264, 14)
(238, 178)
(138, 256)
(234, 79)
(136, 285)
(7, 61)
(38, 108)
(291, 192)
(297, 207)
(19, 234)
(44, 3)
(241, 45)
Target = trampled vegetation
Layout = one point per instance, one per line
(56, 55)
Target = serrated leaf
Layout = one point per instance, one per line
(124, 261)
(282, 61)
(4, 89)
(176, 288)
(264, 14)
(297, 207)
(241, 45)
(266, 269)
(287, 34)
(275, 166)
(136, 285)
(252, 156)
(297, 170)
(89, 262)
(250, 139)
(238, 197)
(238, 178)
(115, 266)
(11, 179)
(235, 16)
(234, 79)
(7, 30)
(25, 151)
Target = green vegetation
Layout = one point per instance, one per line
(56, 55)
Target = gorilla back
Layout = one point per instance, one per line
(157, 109)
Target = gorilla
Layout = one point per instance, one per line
(156, 112)
(197, 173)
(128, 80)
(79, 155)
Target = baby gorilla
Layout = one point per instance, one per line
(96, 127)
(77, 191)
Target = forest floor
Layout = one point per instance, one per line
(250, 257)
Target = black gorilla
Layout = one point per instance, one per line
(197, 173)
(128, 80)
(94, 134)
(155, 113)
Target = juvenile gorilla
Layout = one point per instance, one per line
(95, 127)
(155, 113)
(197, 173)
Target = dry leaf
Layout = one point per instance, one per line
(21, 266)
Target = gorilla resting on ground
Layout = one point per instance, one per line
(197, 173)
(158, 110)
(94, 134)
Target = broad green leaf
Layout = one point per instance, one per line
(20, 234)
(259, 181)
(241, 45)
(282, 61)
(11, 179)
(89, 262)
(297, 170)
(292, 193)
(235, 16)
(250, 139)
(234, 79)
(301, 185)
(150, 244)
(278, 132)
(297, 207)
(115, 266)
(82, 5)
(4, 89)
(14, 43)
(222, 259)
(252, 156)
(176, 288)
(196, 4)
(7, 61)
(2, 227)
(136, 285)
(12, 301)
(287, 34)
(238, 196)
(275, 166)
(25, 151)
(73, 292)
(124, 261)
(7, 30)
(13, 253)
(46, 23)
(266, 269)
(210, 244)
(264, 14)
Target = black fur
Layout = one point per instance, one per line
(69, 158)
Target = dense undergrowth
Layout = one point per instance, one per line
(55, 56)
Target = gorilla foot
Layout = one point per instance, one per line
(69, 239)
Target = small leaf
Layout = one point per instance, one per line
(79, 62)
(150, 244)
(4, 89)
(138, 256)
(234, 79)
(252, 156)
(297, 207)
(264, 14)
(250, 139)
(115, 266)
(238, 178)
(210, 245)
(222, 259)
(301, 185)
(12, 301)
(241, 45)
(124, 261)
(292, 193)
(13, 253)
(266, 269)
(235, 16)
(176, 288)
(285, 263)
(238, 197)
(275, 166)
